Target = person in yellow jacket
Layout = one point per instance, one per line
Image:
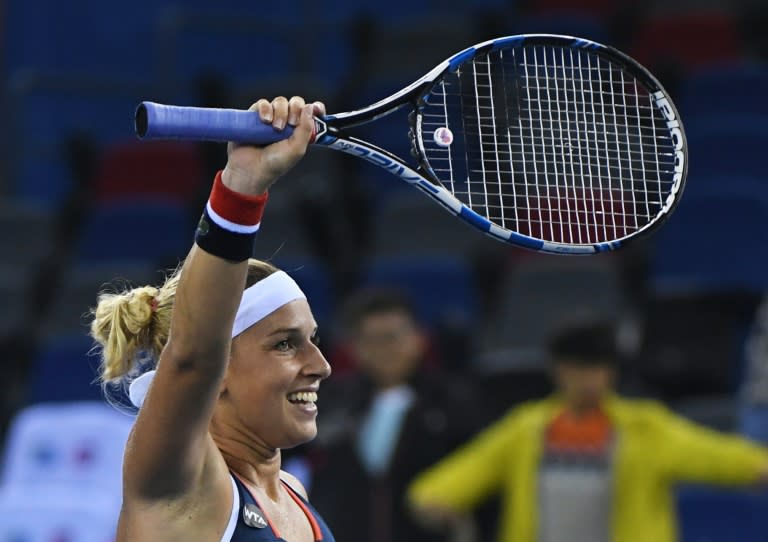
(584, 465)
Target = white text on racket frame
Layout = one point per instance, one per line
(677, 140)
(379, 159)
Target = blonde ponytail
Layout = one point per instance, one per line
(131, 328)
(130, 325)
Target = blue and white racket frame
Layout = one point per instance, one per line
(425, 179)
(329, 132)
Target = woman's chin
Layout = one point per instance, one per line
(300, 436)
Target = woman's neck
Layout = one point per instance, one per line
(253, 462)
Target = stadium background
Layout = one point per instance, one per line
(81, 202)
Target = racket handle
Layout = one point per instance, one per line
(158, 121)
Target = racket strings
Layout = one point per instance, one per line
(551, 142)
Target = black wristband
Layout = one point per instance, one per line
(232, 246)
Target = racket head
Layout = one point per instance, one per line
(553, 143)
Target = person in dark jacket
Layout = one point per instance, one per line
(392, 419)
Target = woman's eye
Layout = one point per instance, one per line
(283, 345)
(315, 339)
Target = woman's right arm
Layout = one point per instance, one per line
(170, 446)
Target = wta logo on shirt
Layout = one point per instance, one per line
(253, 517)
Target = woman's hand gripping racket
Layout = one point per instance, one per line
(552, 143)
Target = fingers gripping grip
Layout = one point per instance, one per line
(157, 121)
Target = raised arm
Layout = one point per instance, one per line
(696, 454)
(170, 449)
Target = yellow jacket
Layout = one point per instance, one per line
(654, 450)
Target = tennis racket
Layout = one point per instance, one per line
(552, 143)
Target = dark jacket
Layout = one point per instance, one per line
(359, 507)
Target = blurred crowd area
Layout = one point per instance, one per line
(84, 206)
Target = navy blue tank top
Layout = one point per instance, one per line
(254, 526)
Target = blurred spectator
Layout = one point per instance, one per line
(584, 465)
(390, 421)
(755, 388)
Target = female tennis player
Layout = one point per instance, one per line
(237, 370)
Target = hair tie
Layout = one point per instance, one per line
(154, 304)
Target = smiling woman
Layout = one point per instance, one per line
(222, 362)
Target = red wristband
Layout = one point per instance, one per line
(234, 207)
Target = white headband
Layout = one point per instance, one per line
(258, 302)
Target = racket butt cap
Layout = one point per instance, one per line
(141, 121)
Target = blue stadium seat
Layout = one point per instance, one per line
(715, 241)
(442, 289)
(79, 287)
(729, 145)
(46, 112)
(80, 36)
(149, 230)
(723, 90)
(715, 515)
(63, 371)
(728, 184)
(208, 43)
(287, 12)
(572, 23)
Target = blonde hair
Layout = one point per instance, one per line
(131, 327)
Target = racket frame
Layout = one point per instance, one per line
(330, 131)
(331, 134)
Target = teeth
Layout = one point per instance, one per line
(303, 396)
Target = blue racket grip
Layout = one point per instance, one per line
(158, 121)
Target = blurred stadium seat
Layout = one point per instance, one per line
(63, 371)
(441, 288)
(70, 445)
(716, 241)
(692, 343)
(594, 7)
(712, 515)
(212, 43)
(14, 286)
(570, 23)
(80, 37)
(162, 170)
(728, 146)
(79, 287)
(724, 90)
(411, 225)
(47, 112)
(29, 229)
(691, 39)
(539, 294)
(54, 514)
(150, 230)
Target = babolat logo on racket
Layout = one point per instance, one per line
(675, 133)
